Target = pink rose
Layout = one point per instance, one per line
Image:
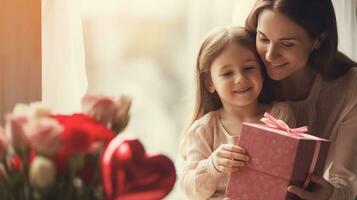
(44, 135)
(108, 110)
(3, 144)
(102, 108)
(15, 131)
(121, 119)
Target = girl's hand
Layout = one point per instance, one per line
(322, 191)
(228, 158)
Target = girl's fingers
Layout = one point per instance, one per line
(233, 148)
(230, 163)
(233, 155)
(228, 169)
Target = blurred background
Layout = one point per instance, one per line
(146, 50)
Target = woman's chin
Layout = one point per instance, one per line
(277, 76)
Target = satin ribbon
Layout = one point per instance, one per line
(272, 122)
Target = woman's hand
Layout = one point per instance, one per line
(228, 158)
(322, 191)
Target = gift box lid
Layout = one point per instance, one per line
(277, 153)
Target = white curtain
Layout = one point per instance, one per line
(346, 14)
(63, 61)
(203, 16)
(241, 11)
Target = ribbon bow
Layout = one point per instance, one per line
(272, 122)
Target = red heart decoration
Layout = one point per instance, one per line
(130, 174)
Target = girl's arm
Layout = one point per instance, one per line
(199, 178)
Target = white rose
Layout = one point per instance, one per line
(38, 110)
(21, 109)
(34, 110)
(42, 172)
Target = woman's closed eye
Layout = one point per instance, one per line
(263, 38)
(287, 44)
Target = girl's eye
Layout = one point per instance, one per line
(227, 74)
(249, 68)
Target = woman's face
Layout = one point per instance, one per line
(283, 45)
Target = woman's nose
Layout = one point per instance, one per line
(271, 53)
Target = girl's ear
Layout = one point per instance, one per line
(319, 40)
(209, 84)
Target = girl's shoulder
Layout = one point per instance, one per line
(201, 129)
(206, 120)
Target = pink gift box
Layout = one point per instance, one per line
(278, 159)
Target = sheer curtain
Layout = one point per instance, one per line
(241, 11)
(63, 67)
(346, 14)
(202, 16)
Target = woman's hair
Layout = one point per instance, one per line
(317, 18)
(211, 48)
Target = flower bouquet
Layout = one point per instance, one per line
(78, 156)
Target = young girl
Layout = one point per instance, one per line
(230, 91)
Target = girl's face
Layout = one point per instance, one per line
(283, 45)
(236, 76)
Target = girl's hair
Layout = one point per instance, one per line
(317, 18)
(211, 48)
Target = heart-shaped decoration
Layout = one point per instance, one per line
(130, 174)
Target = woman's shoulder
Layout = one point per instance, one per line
(347, 80)
(340, 93)
(345, 85)
(351, 74)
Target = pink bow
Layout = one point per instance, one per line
(272, 122)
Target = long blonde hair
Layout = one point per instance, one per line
(213, 45)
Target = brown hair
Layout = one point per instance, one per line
(317, 18)
(212, 47)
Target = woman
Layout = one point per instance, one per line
(297, 40)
